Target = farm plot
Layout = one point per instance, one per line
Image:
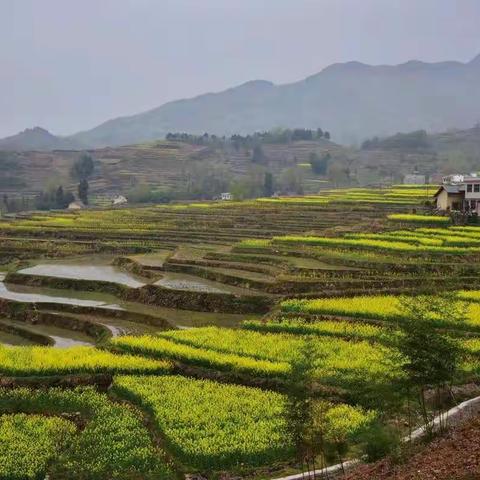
(212, 426)
(339, 363)
(43, 361)
(74, 434)
(386, 308)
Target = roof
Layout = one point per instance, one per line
(450, 189)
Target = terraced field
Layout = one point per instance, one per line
(165, 339)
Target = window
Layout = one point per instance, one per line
(469, 187)
(476, 187)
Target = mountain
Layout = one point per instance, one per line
(352, 100)
(38, 139)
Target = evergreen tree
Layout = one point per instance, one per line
(258, 155)
(82, 169)
(268, 184)
(83, 191)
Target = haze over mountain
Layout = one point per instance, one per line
(352, 100)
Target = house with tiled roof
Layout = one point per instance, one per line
(459, 193)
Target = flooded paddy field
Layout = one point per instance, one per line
(59, 337)
(183, 281)
(83, 271)
(23, 293)
(57, 301)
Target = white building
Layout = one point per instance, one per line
(226, 196)
(119, 200)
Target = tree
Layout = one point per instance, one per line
(258, 156)
(6, 203)
(291, 181)
(304, 430)
(319, 165)
(83, 191)
(429, 357)
(342, 424)
(206, 180)
(59, 198)
(250, 186)
(268, 184)
(327, 135)
(338, 174)
(82, 169)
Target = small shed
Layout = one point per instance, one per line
(226, 196)
(76, 205)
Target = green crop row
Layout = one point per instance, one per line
(381, 307)
(110, 442)
(166, 348)
(40, 361)
(339, 362)
(299, 326)
(367, 243)
(431, 219)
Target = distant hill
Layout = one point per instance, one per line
(159, 164)
(174, 164)
(353, 100)
(39, 139)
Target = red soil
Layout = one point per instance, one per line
(454, 456)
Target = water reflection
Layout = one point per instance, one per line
(104, 273)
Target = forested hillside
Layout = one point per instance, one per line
(201, 167)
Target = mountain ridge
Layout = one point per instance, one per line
(353, 100)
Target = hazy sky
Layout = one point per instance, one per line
(68, 65)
